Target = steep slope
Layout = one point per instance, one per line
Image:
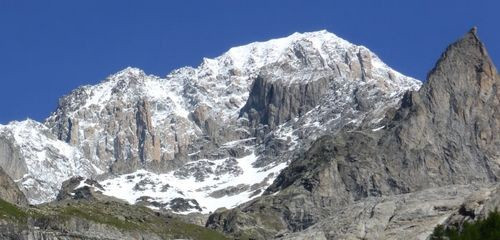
(38, 161)
(446, 133)
(84, 220)
(216, 135)
(9, 190)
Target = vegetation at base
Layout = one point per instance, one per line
(131, 218)
(126, 218)
(88, 213)
(9, 211)
(486, 229)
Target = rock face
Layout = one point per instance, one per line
(446, 133)
(133, 121)
(217, 134)
(80, 188)
(12, 157)
(9, 190)
(290, 89)
(112, 123)
(406, 216)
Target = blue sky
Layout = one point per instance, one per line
(48, 48)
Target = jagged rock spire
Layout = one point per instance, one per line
(461, 94)
(455, 115)
(465, 56)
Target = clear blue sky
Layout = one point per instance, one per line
(48, 48)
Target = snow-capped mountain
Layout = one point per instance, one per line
(206, 137)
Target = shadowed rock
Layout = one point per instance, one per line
(9, 190)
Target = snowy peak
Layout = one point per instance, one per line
(259, 54)
(127, 83)
(127, 73)
(248, 58)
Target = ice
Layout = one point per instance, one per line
(378, 129)
(236, 142)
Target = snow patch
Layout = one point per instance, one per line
(165, 187)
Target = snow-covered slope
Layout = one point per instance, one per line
(218, 189)
(217, 135)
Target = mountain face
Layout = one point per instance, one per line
(445, 134)
(207, 137)
(9, 191)
(38, 161)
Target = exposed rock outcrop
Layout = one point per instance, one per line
(289, 89)
(9, 190)
(11, 157)
(80, 188)
(273, 102)
(476, 206)
(149, 144)
(406, 216)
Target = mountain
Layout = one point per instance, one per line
(302, 137)
(436, 156)
(207, 137)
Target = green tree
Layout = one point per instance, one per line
(486, 229)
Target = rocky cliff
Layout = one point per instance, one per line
(447, 133)
(9, 190)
